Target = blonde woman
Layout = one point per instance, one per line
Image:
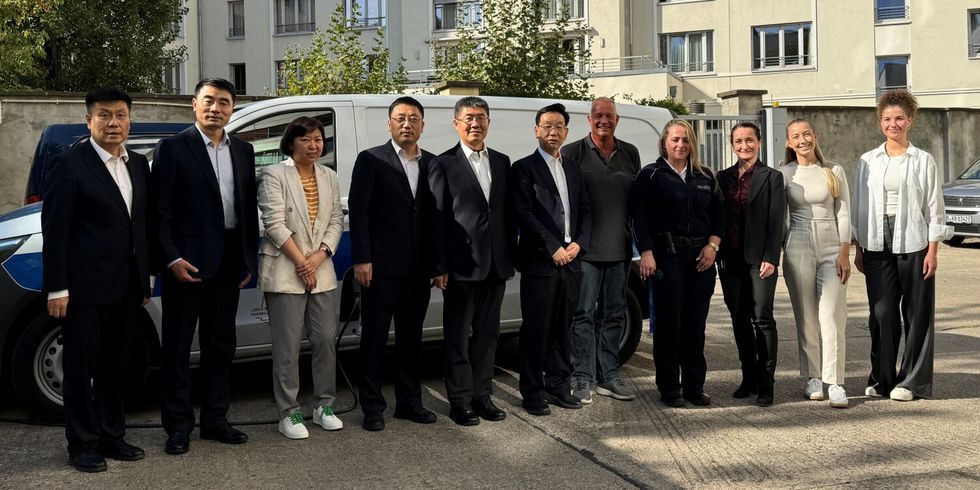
(816, 260)
(678, 217)
(898, 221)
(300, 204)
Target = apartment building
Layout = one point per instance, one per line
(803, 52)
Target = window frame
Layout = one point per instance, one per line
(360, 20)
(469, 8)
(891, 14)
(240, 88)
(707, 51)
(973, 29)
(805, 45)
(236, 32)
(285, 28)
(879, 88)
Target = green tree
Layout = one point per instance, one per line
(517, 51)
(116, 43)
(336, 62)
(22, 37)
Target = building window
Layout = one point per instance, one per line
(687, 52)
(575, 9)
(366, 13)
(238, 78)
(173, 78)
(785, 46)
(891, 10)
(974, 41)
(892, 73)
(236, 19)
(449, 14)
(576, 47)
(294, 16)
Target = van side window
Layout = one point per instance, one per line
(264, 135)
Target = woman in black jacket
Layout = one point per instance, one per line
(755, 204)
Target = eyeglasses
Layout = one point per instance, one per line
(547, 129)
(473, 119)
(106, 116)
(409, 119)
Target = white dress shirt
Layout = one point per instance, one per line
(920, 217)
(558, 173)
(220, 156)
(410, 164)
(480, 162)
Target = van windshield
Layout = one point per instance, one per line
(972, 173)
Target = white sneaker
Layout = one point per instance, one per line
(292, 427)
(814, 389)
(838, 397)
(324, 417)
(901, 394)
(872, 392)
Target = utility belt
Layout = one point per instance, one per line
(671, 242)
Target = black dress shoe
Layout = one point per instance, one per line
(417, 414)
(178, 443)
(538, 408)
(675, 402)
(562, 399)
(88, 461)
(464, 416)
(744, 391)
(765, 397)
(700, 399)
(485, 408)
(225, 434)
(121, 451)
(373, 422)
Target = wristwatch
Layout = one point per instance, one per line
(713, 245)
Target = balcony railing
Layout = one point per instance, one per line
(236, 31)
(881, 90)
(367, 22)
(974, 50)
(624, 63)
(885, 14)
(292, 28)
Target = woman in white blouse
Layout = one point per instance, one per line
(898, 221)
(300, 204)
(817, 260)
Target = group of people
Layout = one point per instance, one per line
(565, 217)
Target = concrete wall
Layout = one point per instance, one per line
(845, 133)
(24, 116)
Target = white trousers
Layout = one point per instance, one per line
(818, 298)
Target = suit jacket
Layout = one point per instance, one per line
(189, 214)
(285, 214)
(469, 233)
(538, 208)
(765, 213)
(90, 239)
(388, 226)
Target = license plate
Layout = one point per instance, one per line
(962, 219)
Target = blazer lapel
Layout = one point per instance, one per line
(544, 174)
(197, 148)
(571, 181)
(325, 200)
(396, 164)
(469, 174)
(759, 178)
(298, 196)
(98, 167)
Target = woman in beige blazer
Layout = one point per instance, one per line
(300, 204)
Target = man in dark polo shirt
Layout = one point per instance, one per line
(608, 167)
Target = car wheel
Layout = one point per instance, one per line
(633, 328)
(38, 374)
(956, 241)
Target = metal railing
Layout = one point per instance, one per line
(291, 28)
(367, 22)
(421, 78)
(624, 63)
(236, 31)
(974, 50)
(883, 89)
(884, 14)
(712, 135)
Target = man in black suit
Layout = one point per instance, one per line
(96, 257)
(207, 232)
(472, 243)
(553, 212)
(389, 214)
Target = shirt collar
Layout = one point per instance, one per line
(469, 151)
(880, 152)
(207, 141)
(401, 152)
(550, 160)
(588, 141)
(105, 156)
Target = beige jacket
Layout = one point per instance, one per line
(284, 215)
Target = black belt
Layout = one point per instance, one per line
(672, 242)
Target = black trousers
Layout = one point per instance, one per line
(750, 303)
(681, 297)
(96, 359)
(404, 299)
(210, 307)
(470, 357)
(897, 295)
(547, 304)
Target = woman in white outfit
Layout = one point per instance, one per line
(816, 260)
(898, 221)
(300, 204)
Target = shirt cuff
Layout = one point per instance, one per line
(178, 259)
(57, 294)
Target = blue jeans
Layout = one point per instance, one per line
(597, 324)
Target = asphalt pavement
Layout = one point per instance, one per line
(876, 443)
